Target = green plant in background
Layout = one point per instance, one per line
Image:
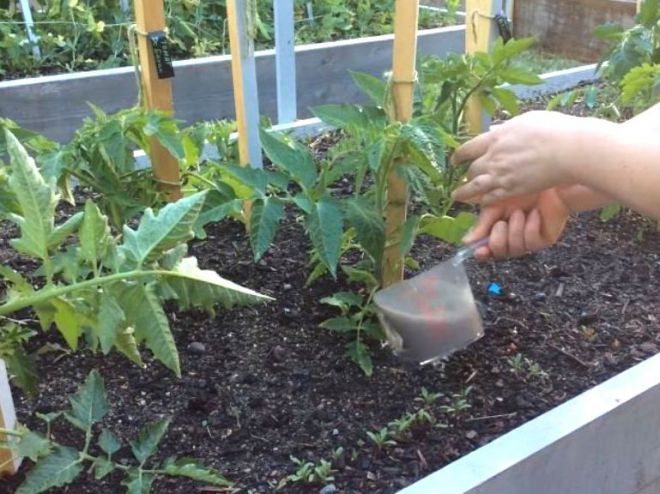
(85, 34)
(90, 283)
(633, 61)
(309, 473)
(57, 464)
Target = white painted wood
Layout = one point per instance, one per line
(249, 85)
(29, 27)
(285, 62)
(7, 420)
(56, 105)
(605, 441)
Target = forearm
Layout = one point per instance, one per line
(579, 198)
(648, 120)
(617, 161)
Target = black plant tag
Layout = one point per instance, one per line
(162, 56)
(504, 27)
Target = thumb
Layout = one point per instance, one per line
(488, 217)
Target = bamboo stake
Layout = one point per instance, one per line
(480, 33)
(9, 462)
(246, 98)
(150, 17)
(403, 86)
(639, 5)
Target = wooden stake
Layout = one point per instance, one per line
(150, 17)
(9, 462)
(480, 33)
(403, 86)
(246, 96)
(639, 5)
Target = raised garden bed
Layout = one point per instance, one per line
(261, 384)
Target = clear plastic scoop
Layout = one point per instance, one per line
(433, 314)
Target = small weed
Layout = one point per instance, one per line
(459, 403)
(527, 368)
(308, 472)
(381, 438)
(427, 397)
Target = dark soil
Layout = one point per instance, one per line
(270, 383)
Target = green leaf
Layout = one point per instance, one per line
(343, 116)
(37, 202)
(157, 234)
(610, 212)
(188, 467)
(62, 232)
(507, 99)
(372, 86)
(369, 226)
(359, 353)
(297, 162)
(89, 405)
(111, 320)
(148, 440)
(94, 234)
(649, 13)
(426, 148)
(325, 227)
(32, 445)
(518, 75)
(22, 368)
(196, 287)
(343, 300)
(127, 345)
(608, 31)
(502, 52)
(144, 313)
(108, 442)
(59, 468)
(68, 321)
(264, 220)
(339, 324)
(408, 234)
(102, 468)
(138, 482)
(446, 228)
(591, 97)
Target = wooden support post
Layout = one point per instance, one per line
(639, 5)
(480, 33)
(285, 62)
(244, 74)
(9, 462)
(403, 87)
(150, 17)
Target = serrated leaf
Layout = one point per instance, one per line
(447, 228)
(369, 226)
(127, 345)
(111, 320)
(148, 439)
(102, 468)
(37, 202)
(339, 324)
(342, 116)
(32, 445)
(108, 442)
(426, 148)
(408, 235)
(343, 300)
(295, 161)
(372, 86)
(502, 52)
(195, 287)
(59, 468)
(188, 467)
(325, 227)
(159, 233)
(518, 75)
(138, 482)
(358, 352)
(94, 234)
(507, 99)
(22, 369)
(63, 231)
(649, 13)
(264, 220)
(68, 321)
(89, 405)
(144, 313)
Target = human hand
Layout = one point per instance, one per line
(525, 155)
(521, 225)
